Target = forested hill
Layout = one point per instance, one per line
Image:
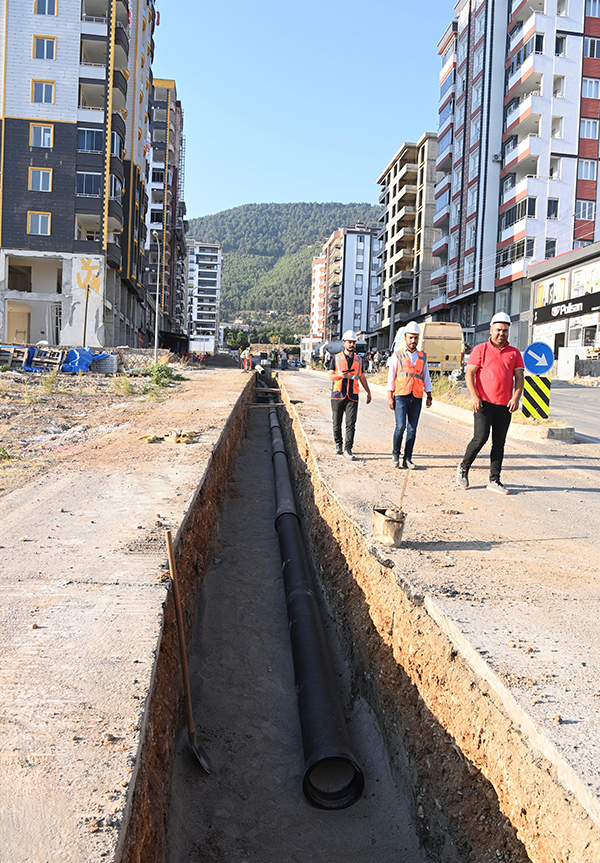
(268, 249)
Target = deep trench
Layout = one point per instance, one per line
(424, 802)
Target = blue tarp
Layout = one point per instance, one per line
(80, 360)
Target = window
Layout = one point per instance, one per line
(445, 140)
(557, 127)
(561, 8)
(447, 83)
(476, 98)
(475, 130)
(586, 169)
(588, 128)
(590, 88)
(523, 209)
(114, 187)
(534, 45)
(89, 140)
(550, 248)
(558, 89)
(360, 240)
(471, 231)
(40, 179)
(89, 184)
(591, 47)
(41, 136)
(515, 252)
(44, 47)
(552, 208)
(38, 223)
(592, 8)
(116, 145)
(158, 176)
(45, 7)
(42, 91)
(446, 111)
(555, 166)
(584, 211)
(560, 46)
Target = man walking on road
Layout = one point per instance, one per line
(345, 371)
(494, 376)
(408, 379)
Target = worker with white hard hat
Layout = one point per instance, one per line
(346, 372)
(494, 376)
(408, 380)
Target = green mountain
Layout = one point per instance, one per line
(268, 249)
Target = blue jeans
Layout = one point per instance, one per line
(407, 410)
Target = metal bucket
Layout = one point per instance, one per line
(388, 525)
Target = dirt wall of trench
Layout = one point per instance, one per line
(481, 792)
(144, 839)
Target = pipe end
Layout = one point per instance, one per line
(333, 783)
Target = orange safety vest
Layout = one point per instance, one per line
(409, 378)
(352, 388)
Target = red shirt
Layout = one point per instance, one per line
(495, 371)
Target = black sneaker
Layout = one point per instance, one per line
(496, 485)
(462, 477)
(396, 460)
(338, 449)
(407, 464)
(349, 455)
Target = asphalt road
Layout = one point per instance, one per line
(578, 406)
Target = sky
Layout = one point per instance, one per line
(297, 101)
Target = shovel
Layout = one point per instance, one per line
(197, 748)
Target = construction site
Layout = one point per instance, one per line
(445, 710)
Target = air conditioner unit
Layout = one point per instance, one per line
(496, 157)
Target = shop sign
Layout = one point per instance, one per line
(585, 304)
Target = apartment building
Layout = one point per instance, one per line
(350, 267)
(407, 234)
(518, 146)
(317, 296)
(205, 262)
(75, 82)
(166, 273)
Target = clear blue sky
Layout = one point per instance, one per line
(298, 101)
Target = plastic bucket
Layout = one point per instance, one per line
(388, 525)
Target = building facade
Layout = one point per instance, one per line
(350, 279)
(407, 235)
(166, 273)
(317, 296)
(73, 170)
(519, 114)
(205, 262)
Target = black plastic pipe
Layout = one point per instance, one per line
(332, 777)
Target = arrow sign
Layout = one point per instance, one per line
(538, 358)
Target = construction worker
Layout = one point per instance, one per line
(345, 372)
(408, 379)
(247, 358)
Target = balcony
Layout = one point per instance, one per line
(440, 247)
(511, 271)
(440, 275)
(406, 214)
(407, 170)
(519, 190)
(524, 118)
(119, 90)
(383, 194)
(444, 159)
(527, 77)
(405, 233)
(525, 155)
(442, 217)
(438, 302)
(521, 10)
(517, 228)
(406, 194)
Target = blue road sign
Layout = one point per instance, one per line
(538, 358)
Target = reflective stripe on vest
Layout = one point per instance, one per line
(341, 364)
(409, 378)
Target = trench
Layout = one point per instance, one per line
(423, 802)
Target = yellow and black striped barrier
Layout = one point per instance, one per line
(536, 397)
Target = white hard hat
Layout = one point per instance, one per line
(501, 318)
(349, 336)
(412, 327)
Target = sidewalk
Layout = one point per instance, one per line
(512, 581)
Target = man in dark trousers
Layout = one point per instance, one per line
(494, 376)
(345, 372)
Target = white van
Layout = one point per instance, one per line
(442, 341)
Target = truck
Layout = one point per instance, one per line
(442, 341)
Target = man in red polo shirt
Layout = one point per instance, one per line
(494, 377)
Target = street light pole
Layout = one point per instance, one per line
(156, 237)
